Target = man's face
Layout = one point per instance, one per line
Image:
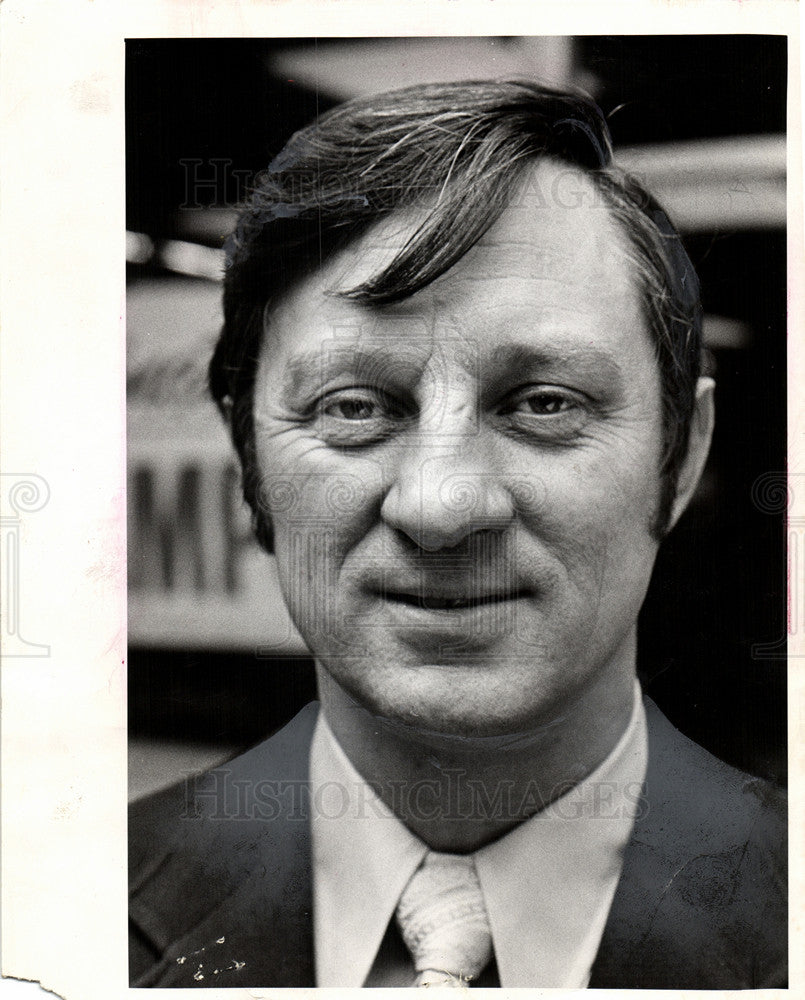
(462, 485)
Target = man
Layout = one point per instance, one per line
(460, 364)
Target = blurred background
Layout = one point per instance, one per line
(214, 661)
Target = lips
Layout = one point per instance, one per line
(443, 602)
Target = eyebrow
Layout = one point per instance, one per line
(587, 361)
(311, 368)
(315, 366)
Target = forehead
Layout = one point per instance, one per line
(553, 272)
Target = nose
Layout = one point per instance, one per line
(445, 490)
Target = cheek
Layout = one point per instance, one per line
(595, 512)
(319, 511)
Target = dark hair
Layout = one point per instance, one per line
(458, 151)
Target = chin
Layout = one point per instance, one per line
(446, 701)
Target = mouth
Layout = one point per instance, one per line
(440, 602)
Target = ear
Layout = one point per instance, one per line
(701, 433)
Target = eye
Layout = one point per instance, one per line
(549, 412)
(351, 405)
(356, 416)
(544, 401)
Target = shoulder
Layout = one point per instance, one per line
(206, 811)
(198, 845)
(702, 900)
(697, 798)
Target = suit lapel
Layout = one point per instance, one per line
(230, 901)
(669, 925)
(645, 869)
(225, 898)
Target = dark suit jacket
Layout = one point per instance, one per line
(221, 882)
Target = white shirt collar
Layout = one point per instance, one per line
(548, 884)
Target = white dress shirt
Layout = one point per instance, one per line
(548, 884)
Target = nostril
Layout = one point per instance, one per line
(433, 540)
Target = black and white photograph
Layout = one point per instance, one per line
(456, 396)
(401, 497)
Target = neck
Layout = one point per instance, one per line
(457, 793)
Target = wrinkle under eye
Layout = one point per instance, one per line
(547, 413)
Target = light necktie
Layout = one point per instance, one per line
(443, 921)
